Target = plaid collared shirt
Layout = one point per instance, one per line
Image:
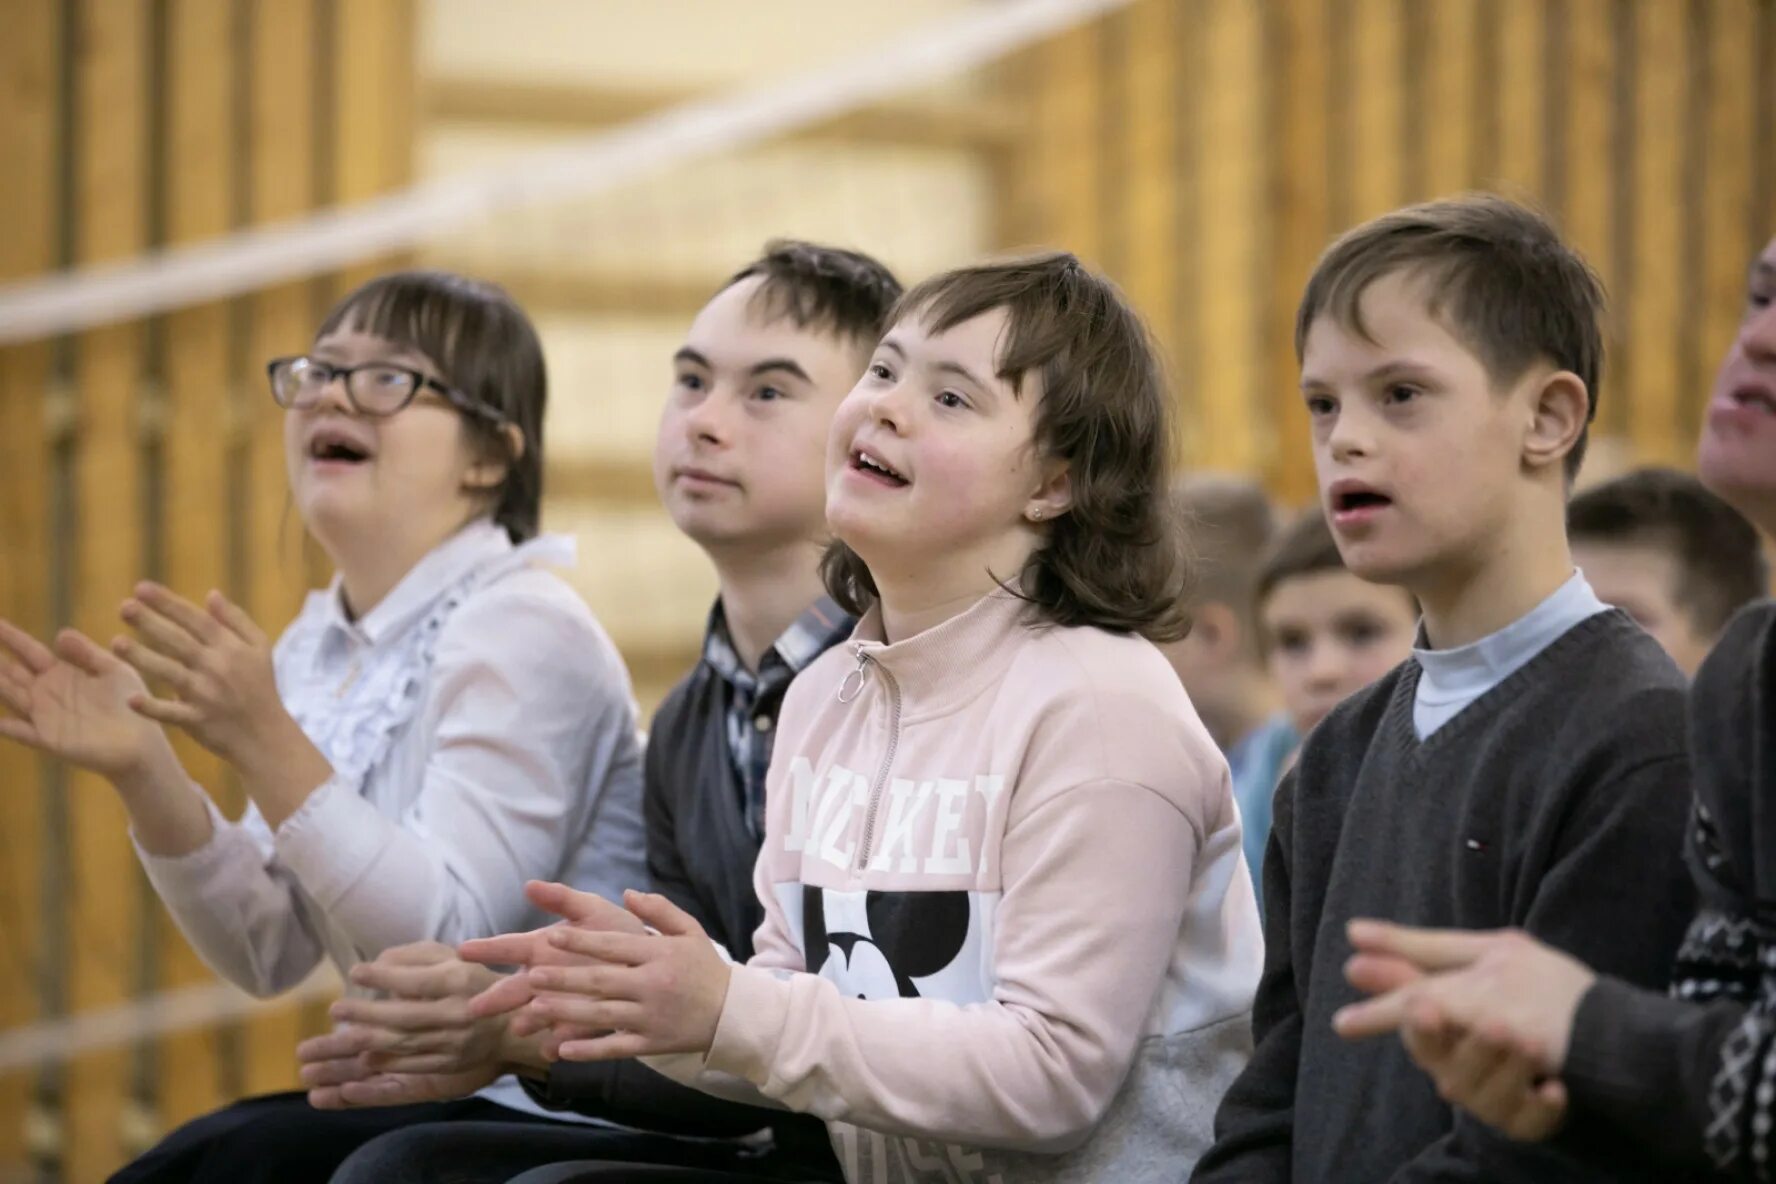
(754, 698)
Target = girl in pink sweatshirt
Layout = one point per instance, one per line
(1009, 935)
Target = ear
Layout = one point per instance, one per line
(1054, 496)
(486, 473)
(1558, 417)
(1216, 627)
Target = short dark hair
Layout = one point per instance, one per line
(484, 346)
(1114, 560)
(1302, 547)
(1500, 275)
(1720, 560)
(844, 292)
(1227, 523)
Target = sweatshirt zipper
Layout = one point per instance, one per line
(875, 795)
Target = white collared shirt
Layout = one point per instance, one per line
(482, 732)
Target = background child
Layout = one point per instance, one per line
(740, 464)
(1679, 560)
(1512, 768)
(443, 721)
(1006, 931)
(1325, 635)
(1227, 524)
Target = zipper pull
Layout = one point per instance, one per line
(848, 691)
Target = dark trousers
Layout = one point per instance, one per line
(281, 1139)
(497, 1152)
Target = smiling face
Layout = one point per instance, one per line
(1420, 459)
(403, 482)
(931, 465)
(1737, 458)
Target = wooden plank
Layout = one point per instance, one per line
(30, 79)
(1233, 139)
(1735, 81)
(199, 174)
(112, 203)
(622, 481)
(1450, 124)
(1300, 221)
(281, 321)
(1521, 99)
(1186, 157)
(1377, 170)
(1656, 311)
(371, 140)
(1149, 187)
(1588, 216)
(1068, 139)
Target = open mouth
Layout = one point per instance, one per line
(1758, 397)
(877, 468)
(1351, 501)
(336, 448)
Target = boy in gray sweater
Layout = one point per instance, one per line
(1522, 761)
(1692, 1074)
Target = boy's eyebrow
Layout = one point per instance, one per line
(687, 354)
(1763, 267)
(787, 365)
(1391, 366)
(890, 343)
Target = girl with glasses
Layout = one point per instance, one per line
(445, 721)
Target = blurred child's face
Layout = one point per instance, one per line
(1738, 455)
(931, 461)
(1330, 634)
(1419, 457)
(412, 478)
(1642, 580)
(740, 456)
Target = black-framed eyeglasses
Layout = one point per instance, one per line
(375, 388)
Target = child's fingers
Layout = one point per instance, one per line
(166, 711)
(597, 1014)
(36, 656)
(508, 994)
(626, 948)
(659, 911)
(22, 732)
(616, 1046)
(1428, 949)
(181, 612)
(340, 1044)
(587, 909)
(159, 633)
(83, 653)
(1377, 974)
(235, 619)
(152, 665)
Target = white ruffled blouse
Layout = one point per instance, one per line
(482, 732)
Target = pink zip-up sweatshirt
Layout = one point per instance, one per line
(1009, 934)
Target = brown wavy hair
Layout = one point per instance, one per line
(1114, 559)
(483, 345)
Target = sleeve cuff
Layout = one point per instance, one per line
(181, 875)
(751, 1025)
(331, 841)
(1625, 1064)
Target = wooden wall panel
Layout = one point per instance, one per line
(1642, 128)
(1656, 312)
(1226, 435)
(284, 143)
(111, 205)
(30, 82)
(200, 179)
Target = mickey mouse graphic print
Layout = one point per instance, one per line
(1009, 935)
